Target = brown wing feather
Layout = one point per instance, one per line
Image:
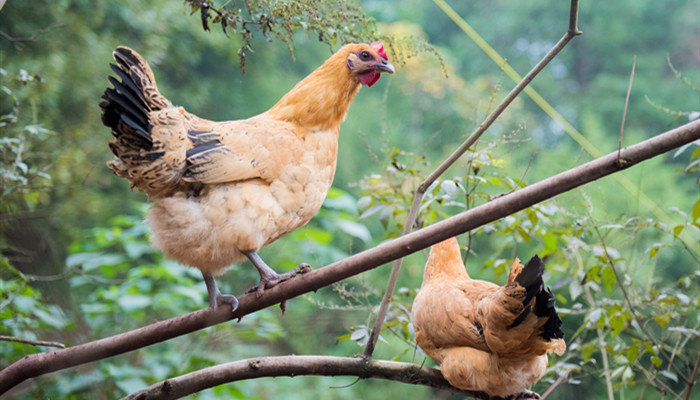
(242, 150)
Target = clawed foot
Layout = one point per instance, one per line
(215, 297)
(269, 280)
(524, 395)
(220, 299)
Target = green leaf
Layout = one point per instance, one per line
(495, 181)
(55, 318)
(550, 243)
(575, 289)
(617, 324)
(313, 234)
(595, 315)
(600, 324)
(449, 187)
(654, 249)
(609, 279)
(354, 229)
(137, 249)
(524, 234)
(678, 229)
(695, 154)
(134, 302)
(670, 375)
(632, 353)
(648, 347)
(696, 210)
(359, 335)
(385, 216)
(593, 273)
(343, 337)
(363, 203)
(663, 319)
(587, 351)
(371, 210)
(130, 385)
(618, 372)
(656, 361)
(340, 200)
(189, 292)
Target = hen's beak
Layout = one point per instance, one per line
(384, 66)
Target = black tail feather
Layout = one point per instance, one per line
(125, 78)
(531, 279)
(124, 105)
(130, 100)
(125, 108)
(544, 306)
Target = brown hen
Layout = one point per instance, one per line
(486, 337)
(223, 190)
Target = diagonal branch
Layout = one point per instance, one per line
(633, 310)
(297, 365)
(490, 119)
(41, 363)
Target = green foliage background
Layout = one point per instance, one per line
(76, 264)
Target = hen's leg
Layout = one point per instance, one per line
(268, 277)
(215, 297)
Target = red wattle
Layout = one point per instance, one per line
(369, 78)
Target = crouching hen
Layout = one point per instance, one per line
(486, 337)
(223, 190)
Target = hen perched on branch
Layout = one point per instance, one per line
(486, 337)
(223, 190)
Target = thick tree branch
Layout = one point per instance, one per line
(297, 365)
(571, 32)
(38, 364)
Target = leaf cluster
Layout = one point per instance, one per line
(332, 22)
(21, 166)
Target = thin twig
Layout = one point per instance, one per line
(680, 76)
(12, 296)
(651, 377)
(38, 364)
(562, 378)
(32, 342)
(520, 182)
(633, 310)
(603, 350)
(693, 376)
(17, 41)
(420, 192)
(624, 111)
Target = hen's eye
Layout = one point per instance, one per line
(364, 56)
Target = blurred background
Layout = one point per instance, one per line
(76, 263)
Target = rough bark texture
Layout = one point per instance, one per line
(296, 365)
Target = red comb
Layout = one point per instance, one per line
(379, 46)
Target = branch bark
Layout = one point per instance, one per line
(41, 363)
(297, 365)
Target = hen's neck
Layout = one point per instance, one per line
(322, 99)
(445, 261)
